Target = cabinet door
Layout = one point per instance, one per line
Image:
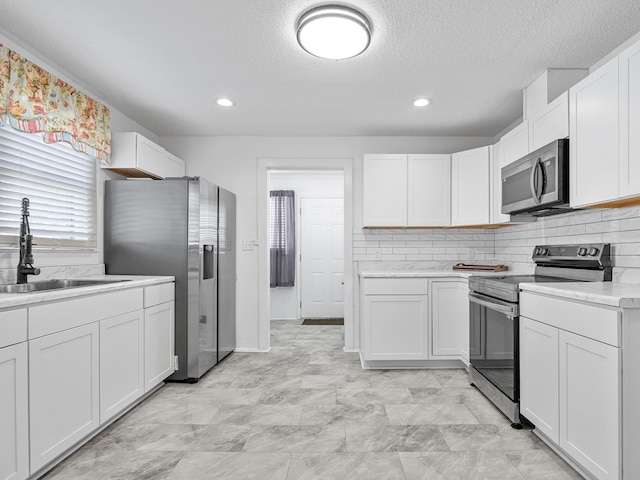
(121, 362)
(450, 320)
(429, 201)
(539, 375)
(496, 185)
(14, 413)
(173, 166)
(630, 121)
(594, 137)
(551, 125)
(385, 190)
(515, 144)
(150, 157)
(158, 344)
(470, 187)
(590, 404)
(63, 391)
(395, 327)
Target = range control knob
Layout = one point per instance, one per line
(544, 251)
(593, 251)
(536, 251)
(582, 251)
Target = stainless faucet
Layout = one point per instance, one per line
(25, 265)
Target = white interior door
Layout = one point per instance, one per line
(322, 257)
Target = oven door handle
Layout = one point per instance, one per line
(511, 311)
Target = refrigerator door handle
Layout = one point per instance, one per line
(208, 270)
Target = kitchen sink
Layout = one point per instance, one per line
(55, 284)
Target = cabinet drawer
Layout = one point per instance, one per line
(13, 327)
(65, 314)
(395, 286)
(590, 321)
(157, 294)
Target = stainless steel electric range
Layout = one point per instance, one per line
(494, 316)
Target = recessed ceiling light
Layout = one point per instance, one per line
(421, 102)
(225, 102)
(334, 32)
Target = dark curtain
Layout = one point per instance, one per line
(283, 238)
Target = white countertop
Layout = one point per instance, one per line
(613, 294)
(33, 298)
(429, 273)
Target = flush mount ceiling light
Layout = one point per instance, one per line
(225, 102)
(421, 102)
(334, 32)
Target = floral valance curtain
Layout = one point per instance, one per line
(33, 100)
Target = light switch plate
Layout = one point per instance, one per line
(247, 245)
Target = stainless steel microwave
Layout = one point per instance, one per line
(538, 184)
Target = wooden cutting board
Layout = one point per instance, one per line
(480, 268)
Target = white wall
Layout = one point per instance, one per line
(60, 262)
(231, 162)
(285, 300)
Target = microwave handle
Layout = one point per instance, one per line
(534, 184)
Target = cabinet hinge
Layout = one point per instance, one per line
(175, 362)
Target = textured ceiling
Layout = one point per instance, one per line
(164, 62)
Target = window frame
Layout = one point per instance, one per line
(59, 151)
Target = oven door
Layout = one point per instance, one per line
(493, 342)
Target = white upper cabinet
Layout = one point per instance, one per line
(406, 190)
(546, 105)
(138, 157)
(629, 62)
(385, 190)
(470, 187)
(429, 192)
(173, 166)
(497, 159)
(551, 125)
(594, 133)
(515, 144)
(605, 145)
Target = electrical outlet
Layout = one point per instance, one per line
(378, 254)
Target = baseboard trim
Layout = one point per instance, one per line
(409, 364)
(251, 350)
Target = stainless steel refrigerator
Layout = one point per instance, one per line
(183, 227)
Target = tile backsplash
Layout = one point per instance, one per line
(8, 275)
(512, 245)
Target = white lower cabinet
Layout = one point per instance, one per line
(396, 327)
(121, 362)
(158, 344)
(64, 390)
(539, 376)
(571, 385)
(590, 429)
(414, 321)
(450, 319)
(14, 413)
(69, 366)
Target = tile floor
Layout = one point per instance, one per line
(307, 410)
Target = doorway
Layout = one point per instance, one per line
(267, 167)
(317, 292)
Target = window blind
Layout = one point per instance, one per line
(60, 184)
